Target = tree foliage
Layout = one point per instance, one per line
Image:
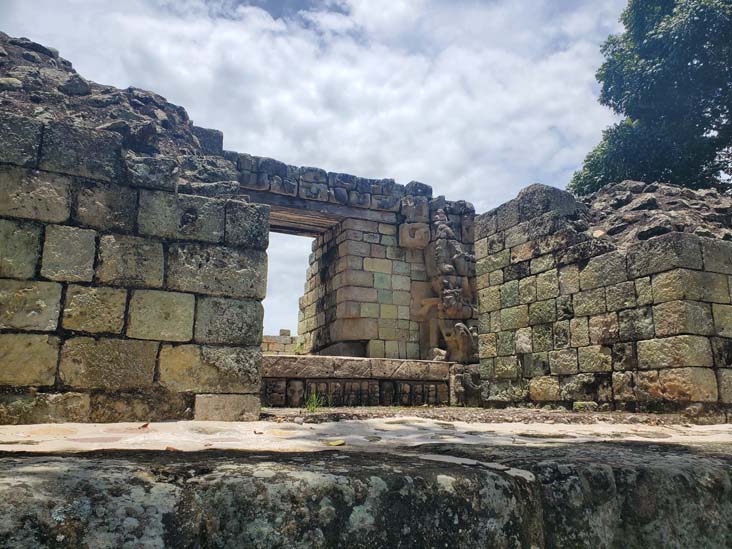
(670, 75)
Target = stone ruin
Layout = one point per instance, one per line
(133, 265)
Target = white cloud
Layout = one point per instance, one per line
(476, 98)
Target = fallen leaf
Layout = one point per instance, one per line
(339, 442)
(171, 449)
(258, 432)
(144, 426)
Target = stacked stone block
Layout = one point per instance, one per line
(121, 299)
(565, 317)
(283, 344)
(358, 289)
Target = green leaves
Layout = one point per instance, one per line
(670, 74)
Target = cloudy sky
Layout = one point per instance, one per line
(478, 98)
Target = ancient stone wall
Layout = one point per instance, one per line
(566, 317)
(283, 344)
(121, 298)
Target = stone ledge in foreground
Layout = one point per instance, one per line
(586, 495)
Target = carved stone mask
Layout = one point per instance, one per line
(295, 393)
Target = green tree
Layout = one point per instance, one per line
(670, 75)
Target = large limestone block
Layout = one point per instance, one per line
(19, 248)
(247, 225)
(94, 309)
(351, 329)
(603, 270)
(722, 319)
(724, 384)
(202, 369)
(156, 404)
(130, 261)
(663, 253)
(68, 254)
(27, 305)
(675, 352)
(112, 364)
(28, 359)
(415, 209)
(181, 217)
(34, 195)
(20, 138)
(164, 316)
(217, 270)
(544, 389)
(586, 387)
(414, 235)
(684, 317)
(229, 321)
(409, 369)
(589, 302)
(717, 255)
(680, 284)
(595, 358)
(227, 408)
(677, 385)
(106, 206)
(563, 362)
(95, 154)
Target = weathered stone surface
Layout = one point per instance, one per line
(202, 369)
(247, 225)
(595, 358)
(94, 309)
(544, 389)
(586, 387)
(20, 138)
(112, 364)
(82, 151)
(722, 320)
(105, 206)
(677, 385)
(513, 318)
(163, 316)
(563, 362)
(724, 385)
(216, 270)
(28, 359)
(692, 285)
(227, 407)
(44, 408)
(717, 255)
(19, 248)
(152, 172)
(675, 352)
(154, 404)
(68, 254)
(532, 503)
(229, 321)
(181, 217)
(683, 317)
(603, 270)
(604, 329)
(130, 261)
(589, 302)
(27, 305)
(414, 235)
(212, 141)
(207, 169)
(34, 195)
(663, 253)
(621, 296)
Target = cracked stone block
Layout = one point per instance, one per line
(675, 352)
(247, 225)
(68, 254)
(94, 309)
(28, 305)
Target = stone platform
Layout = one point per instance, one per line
(384, 482)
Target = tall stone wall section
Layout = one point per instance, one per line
(121, 298)
(564, 317)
